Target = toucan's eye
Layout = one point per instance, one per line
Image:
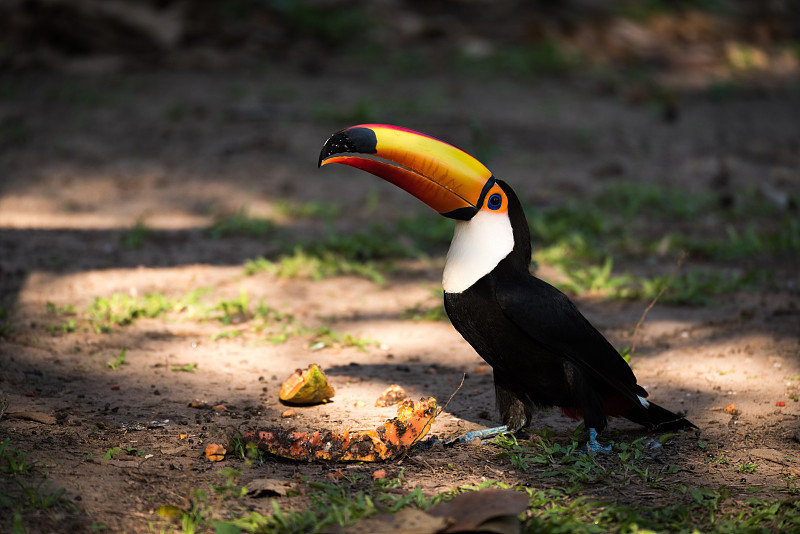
(495, 201)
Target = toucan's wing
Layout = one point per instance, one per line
(553, 322)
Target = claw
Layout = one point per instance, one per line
(593, 446)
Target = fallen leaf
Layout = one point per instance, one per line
(288, 413)
(267, 487)
(729, 408)
(379, 473)
(215, 452)
(359, 404)
(770, 455)
(388, 441)
(39, 417)
(406, 521)
(306, 386)
(175, 450)
(170, 511)
(392, 395)
(219, 408)
(474, 511)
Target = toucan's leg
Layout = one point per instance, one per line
(513, 412)
(593, 445)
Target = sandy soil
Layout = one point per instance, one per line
(89, 156)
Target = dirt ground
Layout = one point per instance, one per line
(87, 156)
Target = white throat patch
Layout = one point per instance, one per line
(478, 246)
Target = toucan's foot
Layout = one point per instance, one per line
(593, 446)
(479, 434)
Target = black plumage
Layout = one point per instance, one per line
(543, 351)
(541, 348)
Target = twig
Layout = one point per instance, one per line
(658, 296)
(438, 411)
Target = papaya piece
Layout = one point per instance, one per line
(306, 386)
(392, 395)
(388, 441)
(215, 452)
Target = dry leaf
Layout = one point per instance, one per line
(474, 511)
(729, 408)
(406, 521)
(170, 511)
(267, 487)
(39, 417)
(215, 452)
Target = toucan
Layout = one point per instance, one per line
(542, 350)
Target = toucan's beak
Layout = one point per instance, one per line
(442, 176)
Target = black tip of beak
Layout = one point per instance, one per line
(359, 140)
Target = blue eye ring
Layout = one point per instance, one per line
(495, 201)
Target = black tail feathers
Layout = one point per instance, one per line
(654, 417)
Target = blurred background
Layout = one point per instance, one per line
(685, 39)
(166, 235)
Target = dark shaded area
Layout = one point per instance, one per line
(308, 33)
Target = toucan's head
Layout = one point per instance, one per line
(442, 176)
(445, 178)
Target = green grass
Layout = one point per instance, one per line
(748, 242)
(369, 254)
(308, 210)
(695, 287)
(185, 368)
(14, 131)
(121, 309)
(240, 223)
(135, 236)
(26, 496)
(315, 265)
(625, 224)
(559, 485)
(261, 320)
(6, 327)
(332, 24)
(361, 111)
(325, 337)
(545, 57)
(422, 312)
(326, 506)
(575, 470)
(586, 239)
(118, 362)
(234, 310)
